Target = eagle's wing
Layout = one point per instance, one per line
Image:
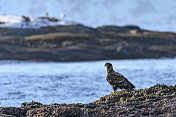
(119, 80)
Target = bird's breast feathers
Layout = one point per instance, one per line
(116, 78)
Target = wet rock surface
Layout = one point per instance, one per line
(159, 100)
(82, 43)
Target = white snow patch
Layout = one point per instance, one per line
(148, 14)
(11, 21)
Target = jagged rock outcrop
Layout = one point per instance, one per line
(159, 100)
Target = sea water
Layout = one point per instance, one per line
(76, 82)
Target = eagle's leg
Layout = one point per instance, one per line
(114, 88)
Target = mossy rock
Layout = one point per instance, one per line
(32, 104)
(156, 92)
(27, 19)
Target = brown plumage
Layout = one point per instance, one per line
(116, 79)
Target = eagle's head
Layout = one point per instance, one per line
(109, 66)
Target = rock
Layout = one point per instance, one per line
(132, 27)
(81, 43)
(112, 29)
(32, 104)
(2, 22)
(122, 103)
(13, 112)
(26, 19)
(53, 19)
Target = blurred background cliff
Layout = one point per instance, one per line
(148, 14)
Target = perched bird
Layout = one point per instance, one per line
(62, 15)
(116, 79)
(46, 14)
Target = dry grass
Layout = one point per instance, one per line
(55, 35)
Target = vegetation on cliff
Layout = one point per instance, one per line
(81, 43)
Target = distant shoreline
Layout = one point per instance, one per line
(73, 43)
(38, 61)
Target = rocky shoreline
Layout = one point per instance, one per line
(81, 43)
(158, 101)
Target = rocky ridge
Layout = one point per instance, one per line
(81, 43)
(159, 101)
